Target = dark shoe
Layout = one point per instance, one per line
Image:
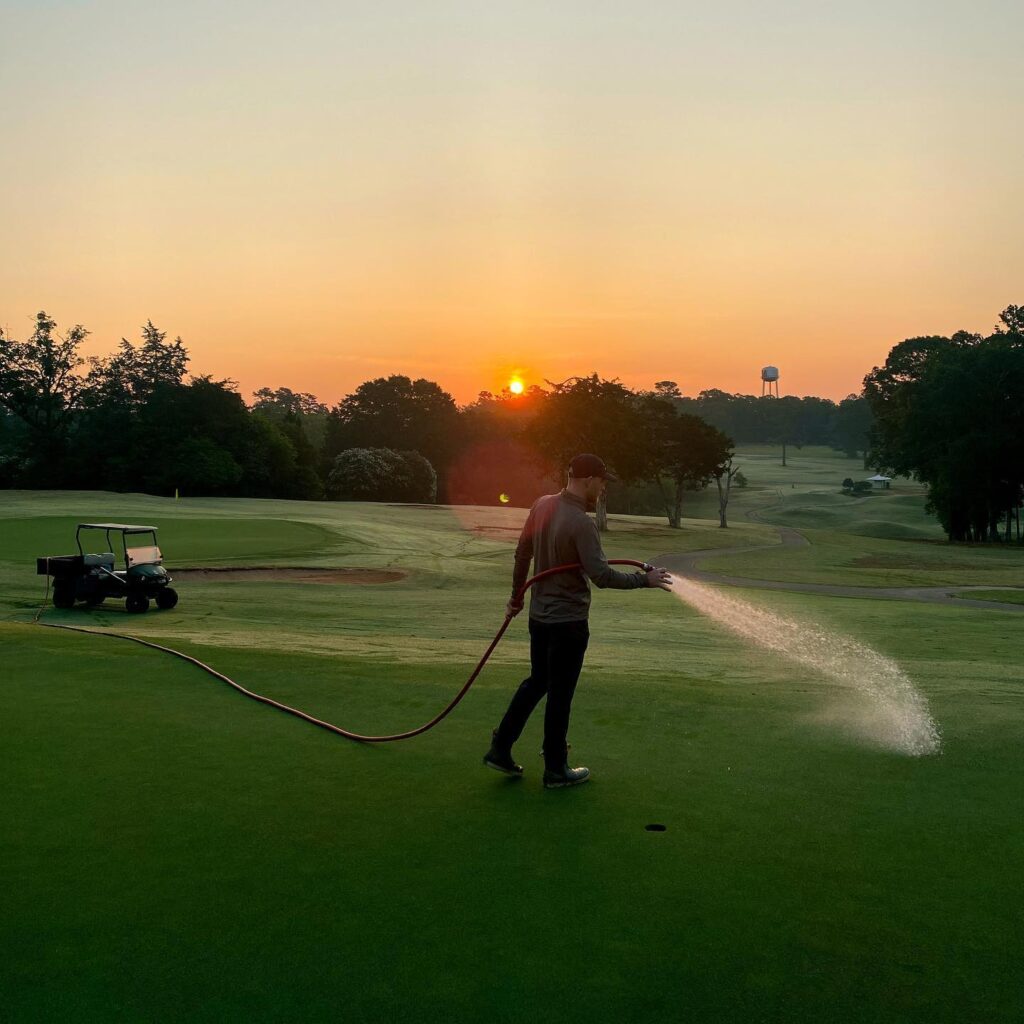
(565, 776)
(501, 761)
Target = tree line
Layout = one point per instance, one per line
(136, 421)
(946, 410)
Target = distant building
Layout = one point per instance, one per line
(880, 483)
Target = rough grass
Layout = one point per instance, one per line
(173, 851)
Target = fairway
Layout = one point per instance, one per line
(174, 851)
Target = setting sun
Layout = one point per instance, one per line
(515, 386)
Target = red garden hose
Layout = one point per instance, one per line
(327, 725)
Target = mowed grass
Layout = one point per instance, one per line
(176, 852)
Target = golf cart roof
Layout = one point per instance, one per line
(124, 527)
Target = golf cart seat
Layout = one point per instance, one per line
(106, 560)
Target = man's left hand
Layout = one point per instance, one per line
(660, 578)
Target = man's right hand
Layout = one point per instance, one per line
(513, 608)
(660, 578)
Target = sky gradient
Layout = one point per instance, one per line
(315, 194)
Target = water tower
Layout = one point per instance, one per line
(769, 377)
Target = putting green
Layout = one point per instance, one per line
(173, 851)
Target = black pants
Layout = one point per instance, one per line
(556, 658)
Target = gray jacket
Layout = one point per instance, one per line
(558, 531)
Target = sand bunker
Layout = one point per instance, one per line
(229, 574)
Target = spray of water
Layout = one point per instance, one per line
(884, 707)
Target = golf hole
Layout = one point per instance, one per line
(655, 828)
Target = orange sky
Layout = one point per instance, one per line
(313, 196)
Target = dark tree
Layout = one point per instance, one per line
(12, 448)
(688, 454)
(40, 386)
(950, 412)
(851, 426)
(724, 475)
(282, 405)
(133, 373)
(1011, 321)
(588, 414)
(397, 413)
(785, 421)
(275, 402)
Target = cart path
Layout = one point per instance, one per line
(686, 564)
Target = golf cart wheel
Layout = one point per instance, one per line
(63, 597)
(136, 602)
(166, 598)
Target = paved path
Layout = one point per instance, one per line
(687, 565)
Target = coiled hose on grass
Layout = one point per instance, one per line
(327, 725)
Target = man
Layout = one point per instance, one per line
(558, 531)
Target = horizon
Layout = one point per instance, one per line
(463, 193)
(504, 386)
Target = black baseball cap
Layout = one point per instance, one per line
(585, 465)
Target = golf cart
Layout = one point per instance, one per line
(93, 578)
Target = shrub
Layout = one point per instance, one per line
(380, 474)
(415, 478)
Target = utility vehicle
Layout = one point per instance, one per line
(93, 578)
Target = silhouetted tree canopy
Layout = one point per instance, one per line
(946, 410)
(950, 412)
(40, 385)
(283, 406)
(398, 413)
(851, 426)
(132, 422)
(588, 414)
(680, 451)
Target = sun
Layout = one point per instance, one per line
(515, 386)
